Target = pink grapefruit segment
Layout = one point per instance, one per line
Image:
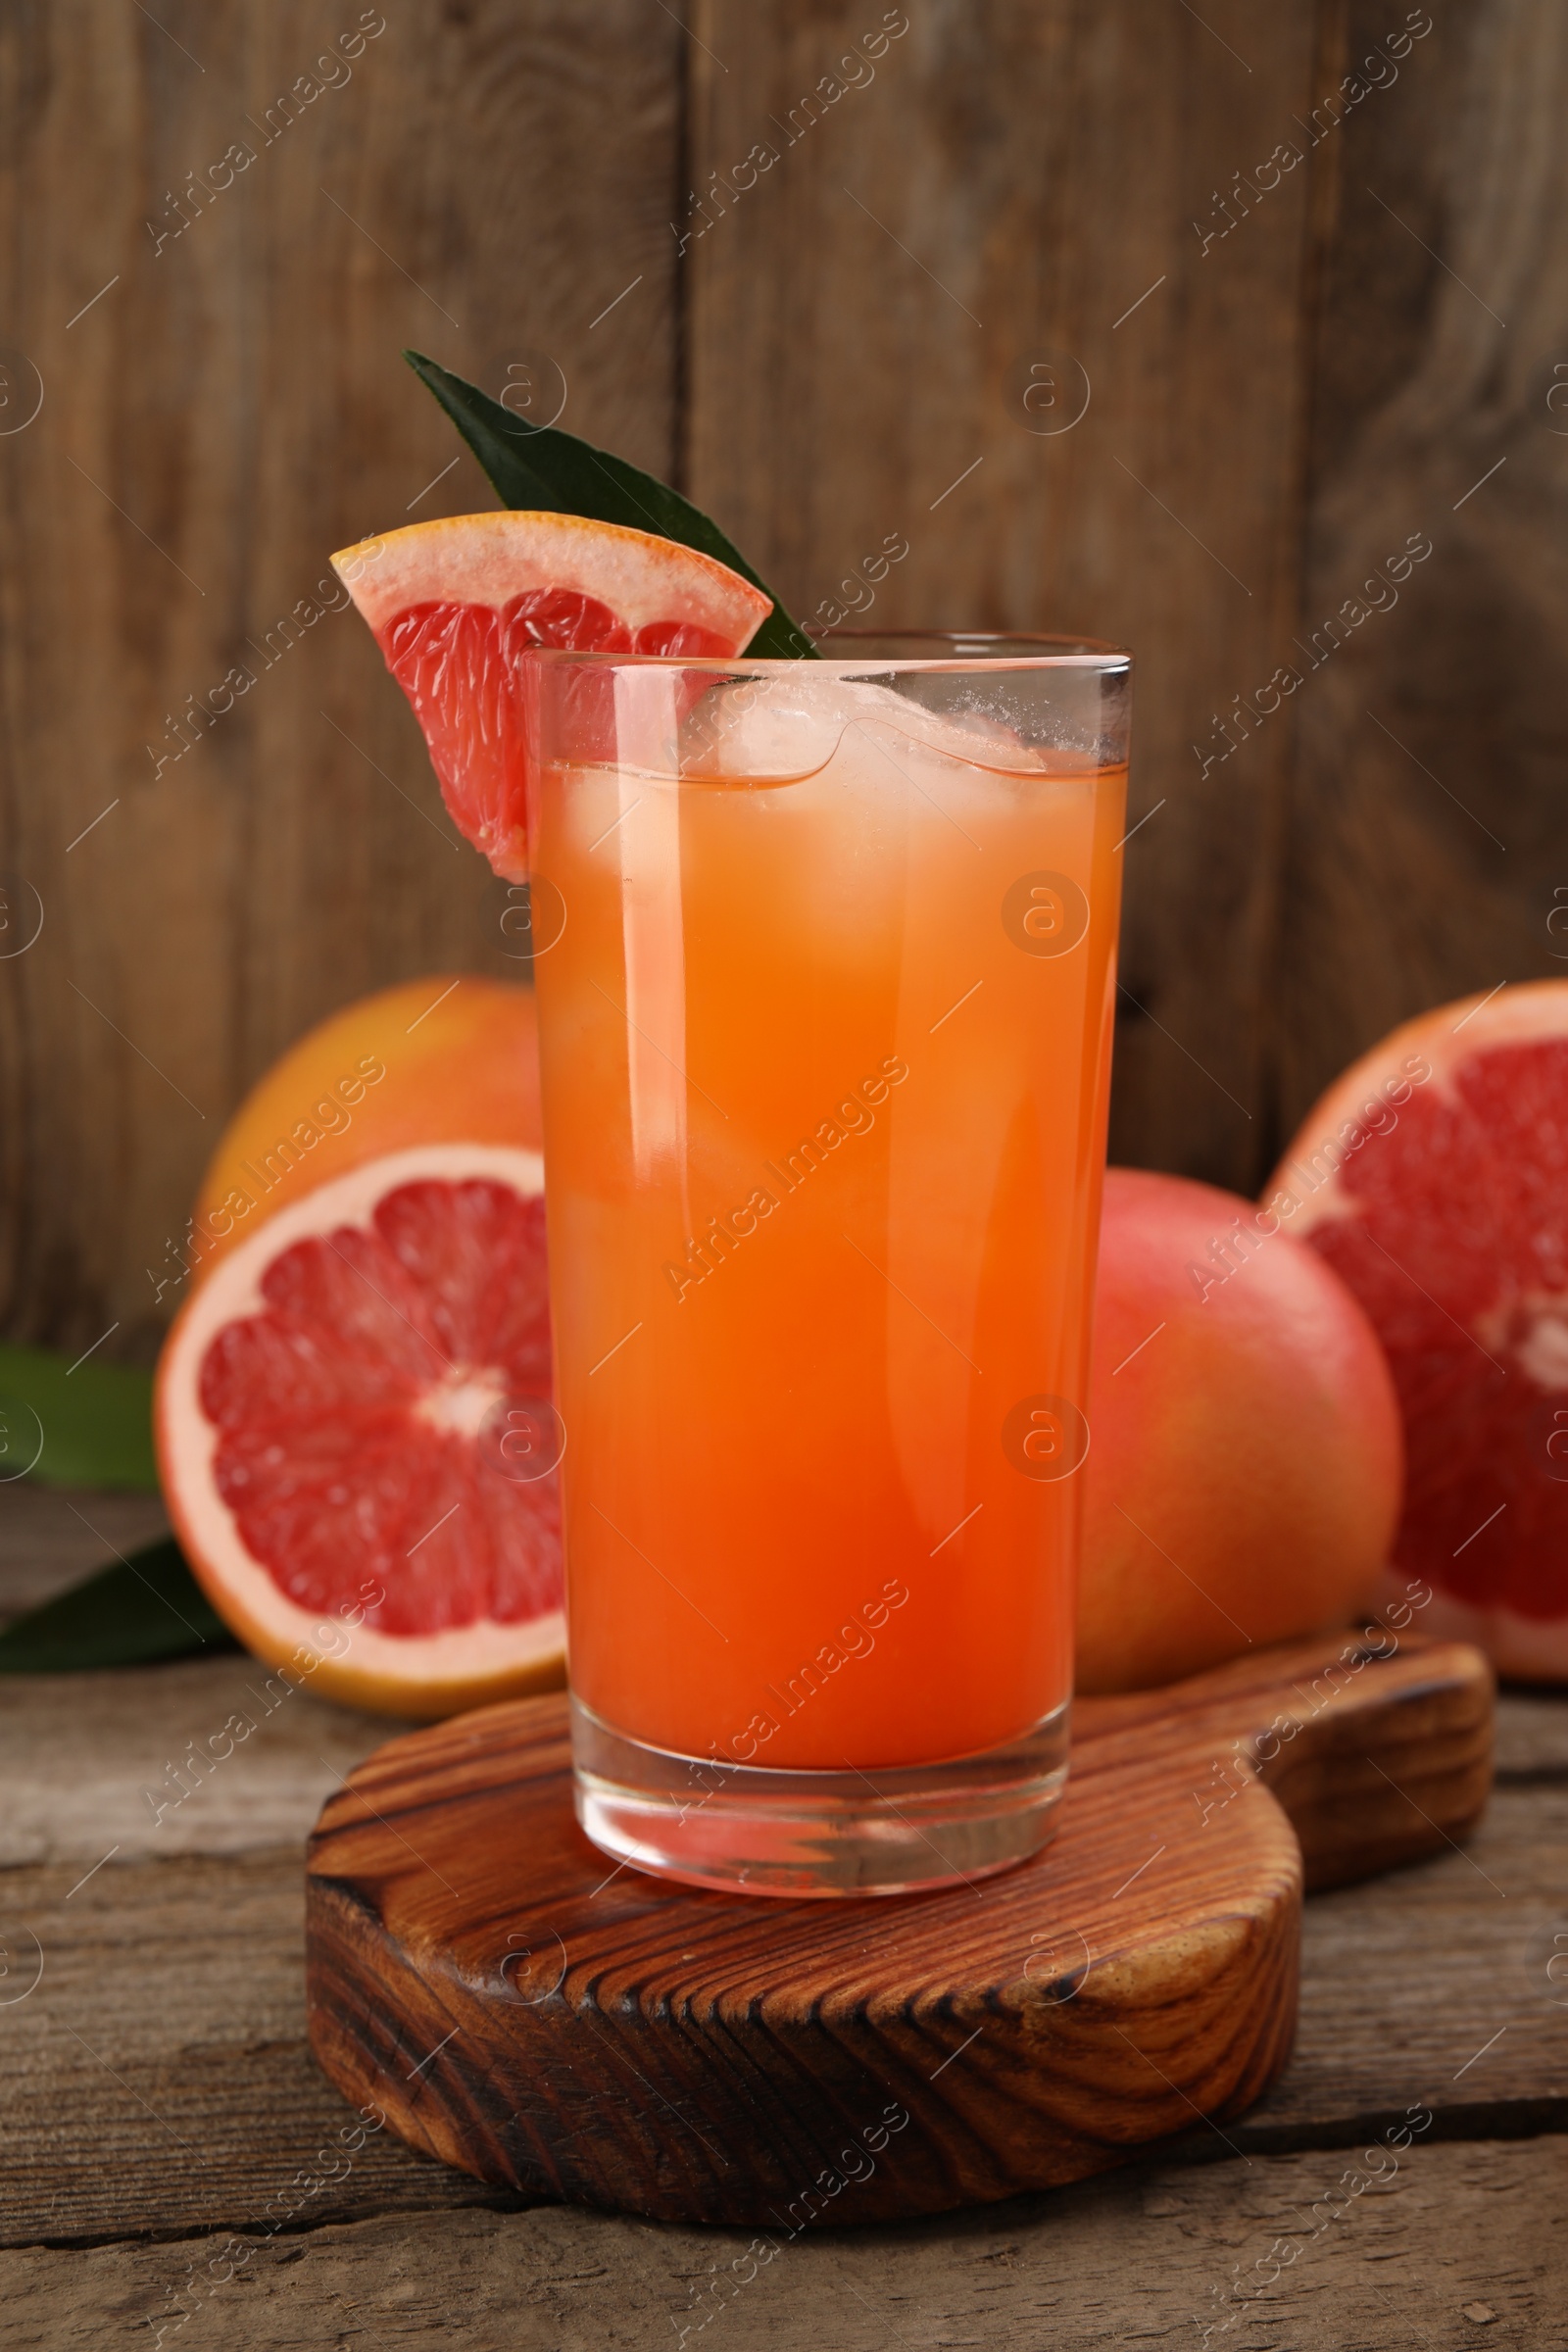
(355, 1436)
(1433, 1178)
(455, 602)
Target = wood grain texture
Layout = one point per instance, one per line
(1531, 1735)
(1157, 2253)
(181, 1961)
(159, 1761)
(154, 2066)
(188, 1976)
(1378, 1751)
(1424, 842)
(479, 180)
(823, 365)
(48, 1541)
(861, 321)
(465, 1939)
(1398, 2002)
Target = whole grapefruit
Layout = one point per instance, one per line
(450, 1059)
(1432, 1177)
(1243, 1474)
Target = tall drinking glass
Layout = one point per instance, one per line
(825, 969)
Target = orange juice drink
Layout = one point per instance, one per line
(825, 960)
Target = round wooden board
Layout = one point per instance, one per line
(521, 2008)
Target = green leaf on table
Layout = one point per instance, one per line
(79, 1424)
(539, 467)
(134, 1612)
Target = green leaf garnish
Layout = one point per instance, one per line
(134, 1612)
(534, 466)
(80, 1425)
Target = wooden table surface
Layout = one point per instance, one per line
(157, 2097)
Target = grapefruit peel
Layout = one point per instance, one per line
(490, 558)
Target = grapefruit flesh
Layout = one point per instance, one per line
(1433, 1178)
(449, 1058)
(455, 605)
(1244, 1472)
(356, 1439)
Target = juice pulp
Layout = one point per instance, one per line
(826, 1044)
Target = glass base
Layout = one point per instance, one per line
(747, 1830)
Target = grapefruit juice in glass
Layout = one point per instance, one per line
(824, 955)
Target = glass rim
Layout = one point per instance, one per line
(989, 650)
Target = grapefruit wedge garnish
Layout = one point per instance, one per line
(355, 1436)
(455, 604)
(1433, 1178)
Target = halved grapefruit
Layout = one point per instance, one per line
(1433, 1178)
(454, 604)
(356, 1438)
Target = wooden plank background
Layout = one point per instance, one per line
(1284, 383)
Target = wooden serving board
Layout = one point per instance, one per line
(521, 2008)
